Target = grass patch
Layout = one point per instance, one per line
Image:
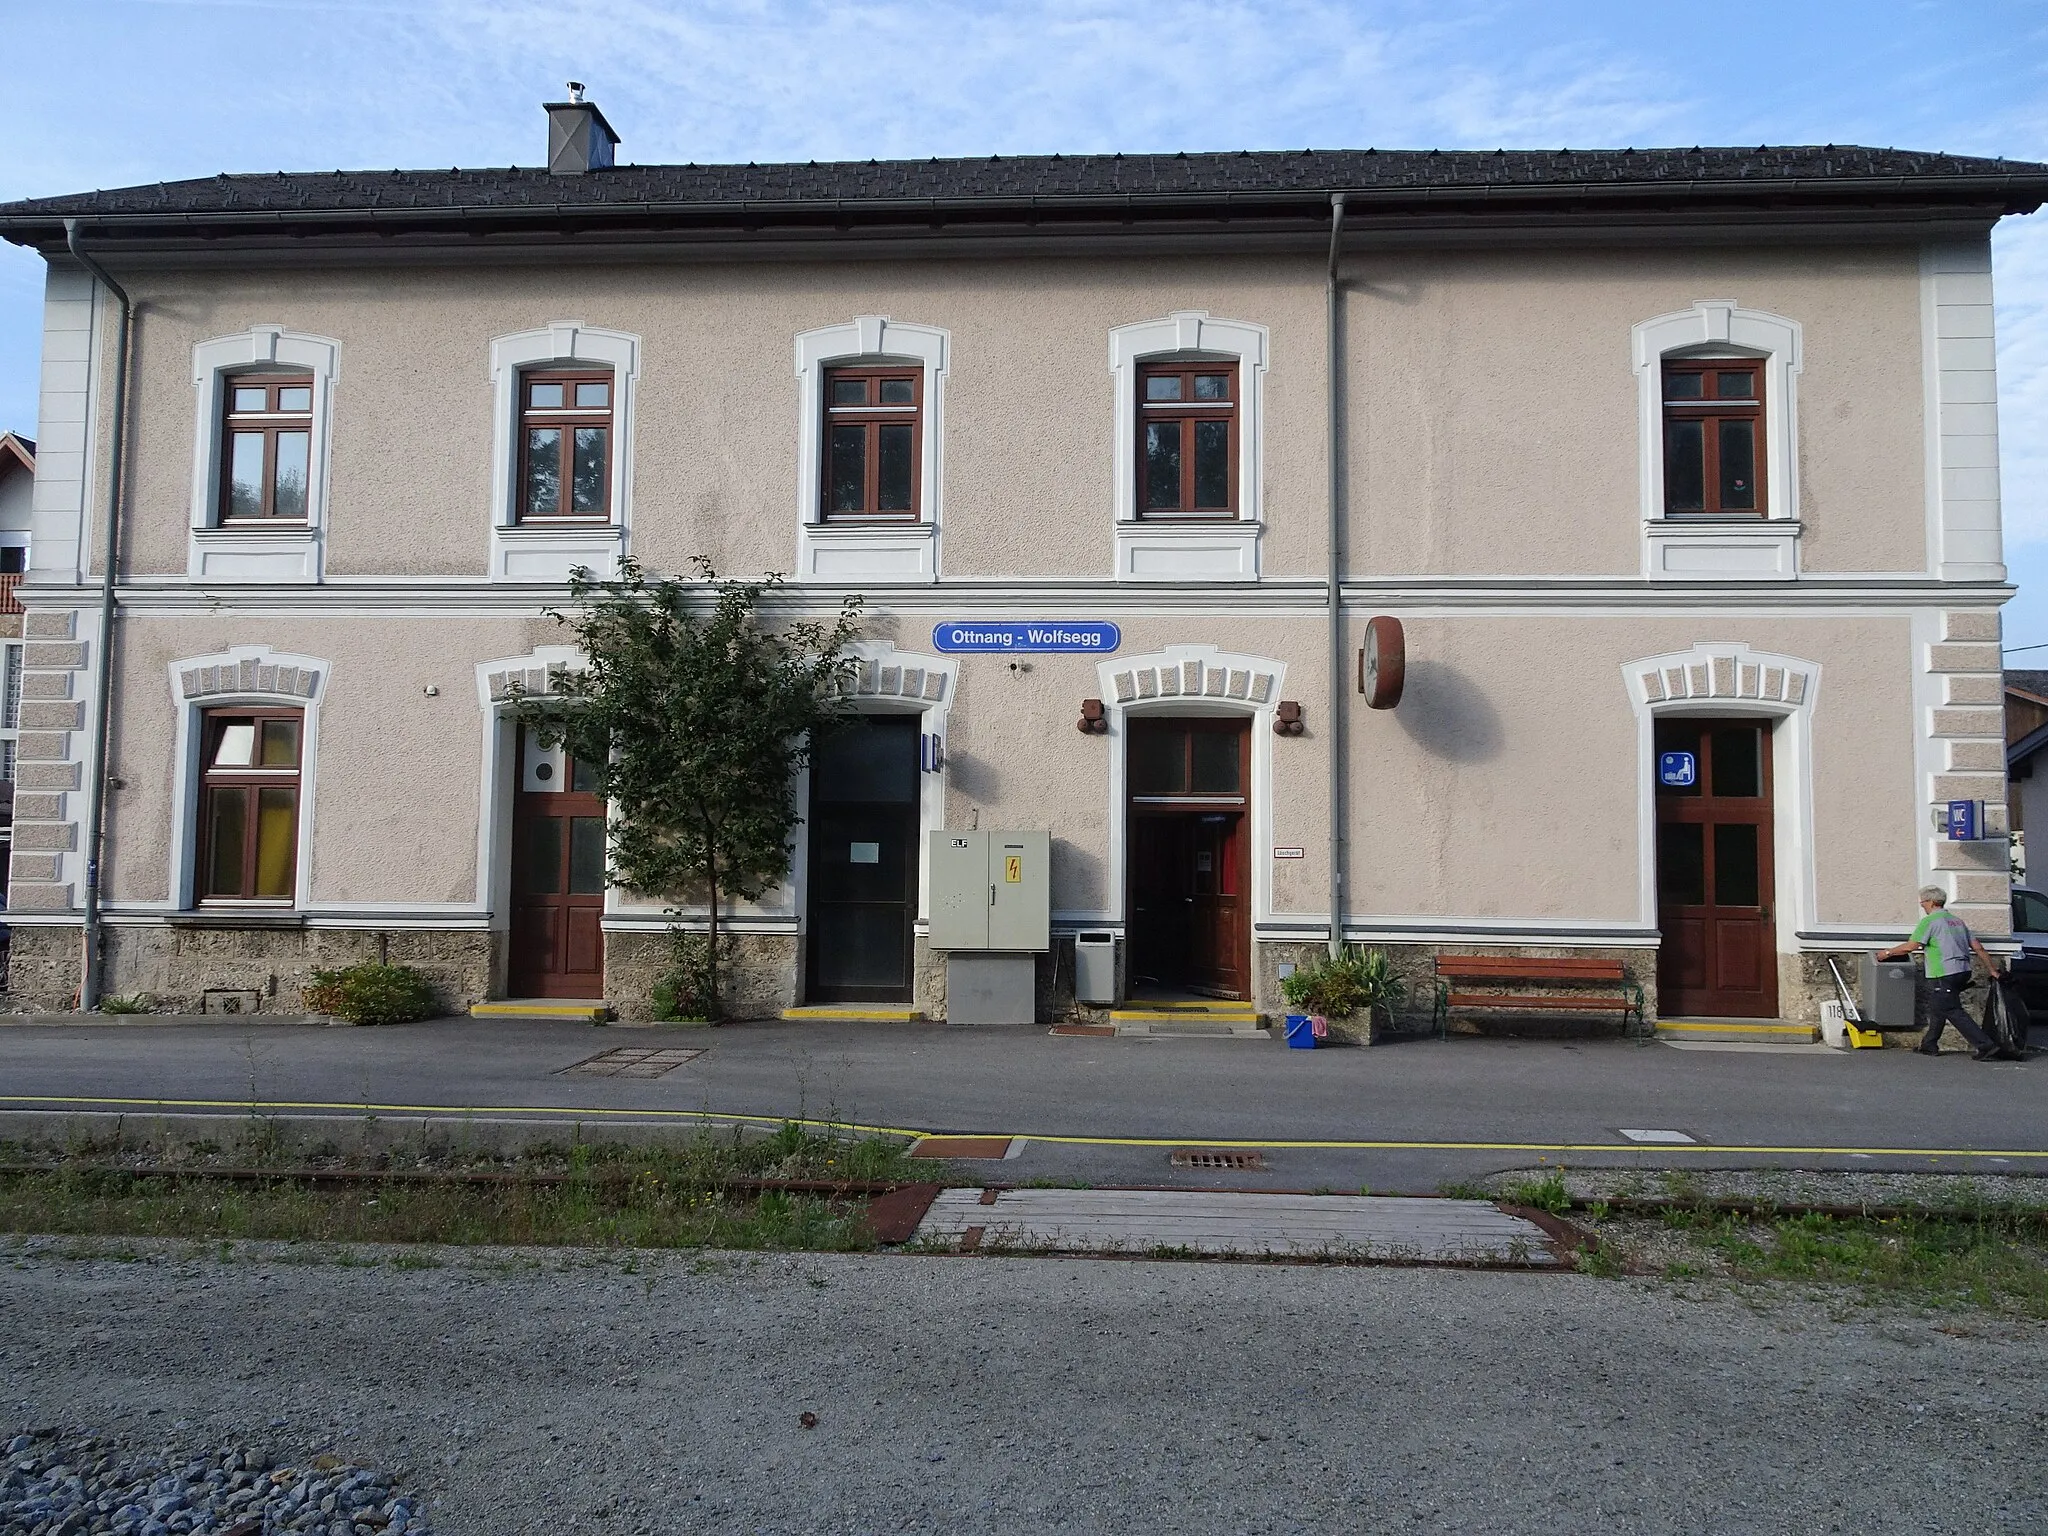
(673, 1196)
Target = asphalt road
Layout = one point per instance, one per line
(1437, 1110)
(657, 1394)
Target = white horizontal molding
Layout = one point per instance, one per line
(907, 552)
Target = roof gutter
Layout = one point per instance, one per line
(1340, 703)
(103, 671)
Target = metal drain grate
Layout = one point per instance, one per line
(1215, 1157)
(630, 1061)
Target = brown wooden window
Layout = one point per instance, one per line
(1187, 440)
(874, 442)
(565, 446)
(1713, 436)
(249, 804)
(266, 447)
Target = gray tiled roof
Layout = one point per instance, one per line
(1797, 171)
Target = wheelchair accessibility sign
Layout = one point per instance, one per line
(1677, 770)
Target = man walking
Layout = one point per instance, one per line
(1946, 941)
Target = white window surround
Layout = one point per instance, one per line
(1719, 679)
(1196, 549)
(548, 553)
(245, 674)
(863, 552)
(1189, 680)
(1722, 548)
(254, 552)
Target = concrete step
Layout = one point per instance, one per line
(581, 1010)
(1762, 1031)
(1220, 1020)
(861, 1013)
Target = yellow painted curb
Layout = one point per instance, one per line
(566, 1009)
(1795, 1031)
(858, 1014)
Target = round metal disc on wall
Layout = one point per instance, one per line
(1383, 663)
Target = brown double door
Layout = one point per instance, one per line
(1189, 897)
(1715, 881)
(558, 878)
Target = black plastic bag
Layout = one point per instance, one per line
(2006, 1019)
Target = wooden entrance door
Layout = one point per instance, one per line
(1715, 882)
(1187, 887)
(861, 878)
(558, 878)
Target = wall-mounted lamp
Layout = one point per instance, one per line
(1092, 722)
(1287, 719)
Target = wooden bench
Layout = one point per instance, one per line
(1600, 986)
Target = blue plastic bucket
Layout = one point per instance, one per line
(1301, 1032)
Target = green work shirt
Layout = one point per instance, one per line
(1947, 938)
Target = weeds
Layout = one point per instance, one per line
(1463, 1189)
(1545, 1194)
(674, 1196)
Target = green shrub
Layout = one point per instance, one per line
(684, 990)
(373, 994)
(141, 1002)
(1341, 985)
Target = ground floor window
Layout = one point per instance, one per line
(249, 804)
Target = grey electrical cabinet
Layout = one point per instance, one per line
(991, 890)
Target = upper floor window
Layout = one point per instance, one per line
(873, 442)
(565, 438)
(267, 435)
(1713, 436)
(249, 804)
(1187, 449)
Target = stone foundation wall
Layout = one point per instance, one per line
(760, 980)
(261, 970)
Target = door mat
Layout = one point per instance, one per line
(963, 1146)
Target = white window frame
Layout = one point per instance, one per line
(1206, 549)
(1722, 548)
(11, 657)
(869, 552)
(247, 675)
(548, 553)
(252, 552)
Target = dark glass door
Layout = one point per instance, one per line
(862, 875)
(558, 879)
(1719, 956)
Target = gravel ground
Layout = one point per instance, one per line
(54, 1483)
(523, 1392)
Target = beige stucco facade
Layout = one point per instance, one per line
(1492, 458)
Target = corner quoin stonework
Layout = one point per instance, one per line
(49, 766)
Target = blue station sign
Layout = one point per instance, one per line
(1965, 821)
(1677, 770)
(961, 636)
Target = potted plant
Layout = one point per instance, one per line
(1338, 988)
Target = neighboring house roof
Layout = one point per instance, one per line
(2031, 681)
(1581, 183)
(16, 453)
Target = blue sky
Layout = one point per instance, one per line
(113, 92)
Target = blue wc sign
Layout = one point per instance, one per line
(1677, 770)
(957, 636)
(1965, 820)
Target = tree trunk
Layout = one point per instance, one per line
(711, 970)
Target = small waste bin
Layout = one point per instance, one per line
(1301, 1032)
(1095, 967)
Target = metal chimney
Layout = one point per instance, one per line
(579, 139)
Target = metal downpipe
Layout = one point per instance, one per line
(95, 785)
(1339, 702)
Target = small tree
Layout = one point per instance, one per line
(693, 717)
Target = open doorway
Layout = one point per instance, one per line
(1188, 895)
(1715, 876)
